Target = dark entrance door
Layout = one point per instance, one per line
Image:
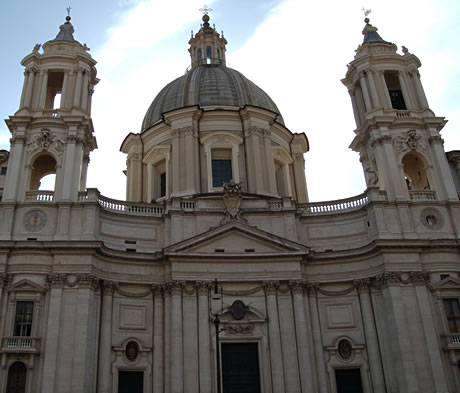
(130, 382)
(348, 380)
(240, 368)
(16, 378)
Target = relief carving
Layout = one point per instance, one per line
(45, 141)
(232, 201)
(239, 329)
(411, 142)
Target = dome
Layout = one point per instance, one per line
(208, 85)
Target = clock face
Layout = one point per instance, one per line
(35, 220)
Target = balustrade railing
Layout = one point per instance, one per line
(21, 343)
(422, 195)
(452, 340)
(40, 196)
(144, 209)
(337, 206)
(187, 205)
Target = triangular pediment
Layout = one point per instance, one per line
(236, 238)
(447, 283)
(26, 286)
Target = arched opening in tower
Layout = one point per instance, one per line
(43, 173)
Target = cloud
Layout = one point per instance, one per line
(148, 23)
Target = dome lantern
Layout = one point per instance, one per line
(207, 46)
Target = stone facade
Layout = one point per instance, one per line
(95, 292)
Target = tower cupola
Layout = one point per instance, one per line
(52, 131)
(207, 46)
(397, 133)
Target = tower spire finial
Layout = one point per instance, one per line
(206, 10)
(67, 18)
(366, 13)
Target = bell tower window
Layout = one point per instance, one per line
(54, 90)
(394, 90)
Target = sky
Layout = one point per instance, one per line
(295, 50)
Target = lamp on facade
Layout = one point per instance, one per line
(216, 310)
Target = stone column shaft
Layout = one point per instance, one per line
(65, 88)
(373, 89)
(204, 345)
(373, 350)
(431, 339)
(78, 85)
(30, 87)
(51, 347)
(24, 89)
(158, 342)
(177, 364)
(420, 91)
(44, 90)
(276, 354)
(302, 333)
(105, 346)
(317, 343)
(365, 90)
(85, 93)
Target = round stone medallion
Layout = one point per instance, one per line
(431, 218)
(35, 220)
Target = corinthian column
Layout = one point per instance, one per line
(276, 354)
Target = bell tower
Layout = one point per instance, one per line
(397, 135)
(52, 131)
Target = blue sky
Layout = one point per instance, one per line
(296, 50)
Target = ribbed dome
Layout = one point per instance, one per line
(208, 85)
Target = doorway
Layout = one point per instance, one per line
(240, 368)
(348, 380)
(130, 382)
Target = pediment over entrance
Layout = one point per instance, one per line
(236, 239)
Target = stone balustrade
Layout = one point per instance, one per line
(422, 195)
(337, 206)
(20, 344)
(40, 196)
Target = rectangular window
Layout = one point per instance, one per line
(221, 166)
(451, 306)
(23, 319)
(159, 180)
(3, 170)
(162, 184)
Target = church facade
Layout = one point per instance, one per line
(217, 273)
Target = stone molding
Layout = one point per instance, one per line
(270, 287)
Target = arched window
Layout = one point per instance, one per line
(208, 55)
(43, 166)
(16, 378)
(415, 172)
